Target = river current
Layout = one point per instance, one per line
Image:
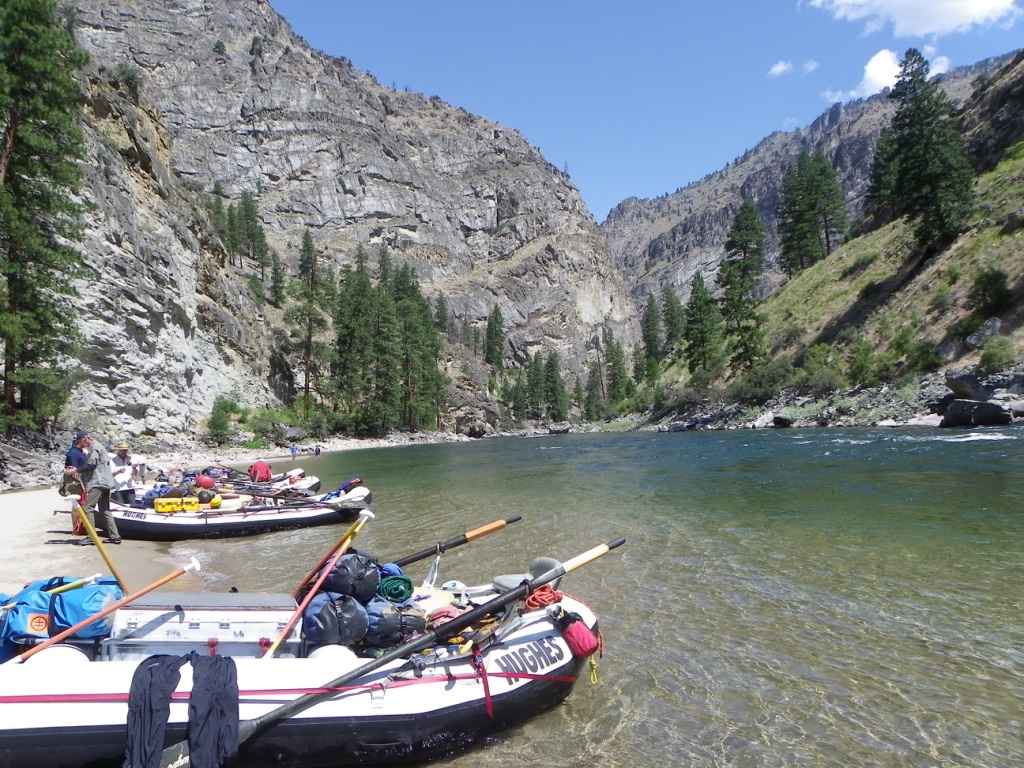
(784, 597)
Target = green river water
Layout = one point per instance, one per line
(784, 598)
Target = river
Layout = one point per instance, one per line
(784, 597)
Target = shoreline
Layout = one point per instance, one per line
(38, 543)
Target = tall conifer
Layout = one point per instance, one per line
(921, 169)
(40, 146)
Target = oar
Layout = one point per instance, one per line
(458, 541)
(192, 566)
(357, 526)
(177, 755)
(345, 540)
(64, 588)
(99, 545)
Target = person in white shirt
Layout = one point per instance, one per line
(123, 491)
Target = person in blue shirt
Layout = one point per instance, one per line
(295, 451)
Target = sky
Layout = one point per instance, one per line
(638, 98)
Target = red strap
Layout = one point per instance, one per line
(478, 660)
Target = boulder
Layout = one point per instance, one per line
(989, 328)
(966, 386)
(972, 413)
(780, 422)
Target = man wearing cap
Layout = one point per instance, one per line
(121, 468)
(98, 480)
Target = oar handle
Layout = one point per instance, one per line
(192, 566)
(458, 541)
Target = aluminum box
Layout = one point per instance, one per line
(232, 624)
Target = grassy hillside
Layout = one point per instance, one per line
(880, 298)
(881, 286)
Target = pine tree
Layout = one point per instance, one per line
(650, 334)
(812, 212)
(313, 292)
(554, 387)
(921, 170)
(703, 330)
(738, 275)
(354, 343)
(278, 280)
(419, 343)
(535, 385)
(673, 318)
(494, 341)
(40, 146)
(594, 400)
(620, 386)
(829, 205)
(442, 314)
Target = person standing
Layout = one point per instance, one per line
(98, 480)
(316, 453)
(295, 451)
(121, 467)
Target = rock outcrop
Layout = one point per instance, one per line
(323, 147)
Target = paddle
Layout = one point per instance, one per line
(177, 755)
(346, 541)
(458, 541)
(192, 566)
(343, 541)
(89, 529)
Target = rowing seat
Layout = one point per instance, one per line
(538, 567)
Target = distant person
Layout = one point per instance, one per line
(316, 453)
(98, 481)
(121, 467)
(260, 472)
(295, 451)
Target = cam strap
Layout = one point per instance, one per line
(478, 662)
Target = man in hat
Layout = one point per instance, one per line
(121, 467)
(98, 480)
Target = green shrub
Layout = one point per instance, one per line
(759, 384)
(990, 291)
(861, 365)
(998, 354)
(219, 48)
(943, 298)
(964, 327)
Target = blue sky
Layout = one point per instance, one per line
(639, 98)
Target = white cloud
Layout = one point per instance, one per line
(880, 72)
(920, 18)
(780, 68)
(939, 65)
(809, 66)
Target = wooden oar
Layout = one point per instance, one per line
(357, 526)
(458, 541)
(192, 566)
(177, 755)
(99, 545)
(345, 540)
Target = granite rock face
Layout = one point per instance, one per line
(233, 96)
(166, 327)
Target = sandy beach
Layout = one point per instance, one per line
(38, 544)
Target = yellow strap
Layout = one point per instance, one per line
(593, 671)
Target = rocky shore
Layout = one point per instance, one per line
(956, 398)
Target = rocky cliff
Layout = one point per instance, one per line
(230, 94)
(669, 239)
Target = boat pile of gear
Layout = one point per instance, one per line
(219, 502)
(358, 665)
